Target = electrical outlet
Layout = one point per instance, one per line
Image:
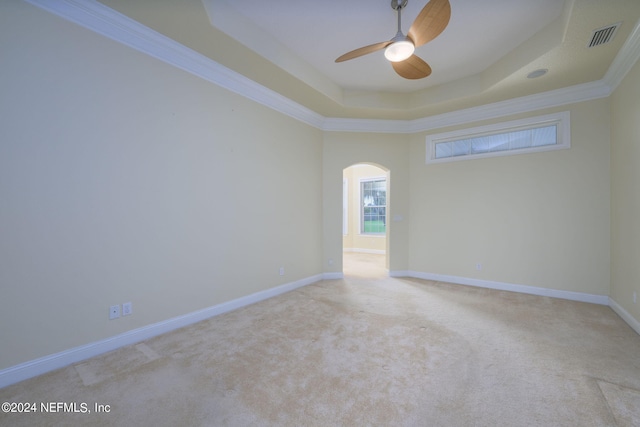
(127, 309)
(114, 312)
(282, 271)
(479, 266)
(634, 297)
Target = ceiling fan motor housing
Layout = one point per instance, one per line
(395, 4)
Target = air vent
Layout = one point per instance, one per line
(603, 35)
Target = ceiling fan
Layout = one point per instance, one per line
(431, 21)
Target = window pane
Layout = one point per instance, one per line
(461, 148)
(506, 141)
(544, 136)
(443, 149)
(374, 200)
(541, 133)
(499, 142)
(520, 139)
(480, 145)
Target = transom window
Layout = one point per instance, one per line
(550, 132)
(373, 203)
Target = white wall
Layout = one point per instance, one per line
(125, 179)
(539, 219)
(625, 193)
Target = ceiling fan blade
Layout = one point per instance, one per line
(363, 51)
(412, 68)
(431, 21)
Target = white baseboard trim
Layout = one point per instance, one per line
(399, 273)
(523, 289)
(631, 321)
(366, 251)
(51, 362)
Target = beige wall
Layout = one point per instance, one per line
(125, 179)
(625, 193)
(354, 240)
(539, 219)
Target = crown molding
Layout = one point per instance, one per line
(624, 60)
(525, 104)
(103, 20)
(333, 124)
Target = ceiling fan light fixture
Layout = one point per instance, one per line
(399, 50)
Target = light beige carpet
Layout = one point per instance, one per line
(366, 350)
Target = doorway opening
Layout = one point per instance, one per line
(365, 208)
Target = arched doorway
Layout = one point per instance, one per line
(365, 208)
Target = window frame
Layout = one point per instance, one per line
(563, 137)
(345, 207)
(361, 205)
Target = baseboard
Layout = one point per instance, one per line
(524, 289)
(365, 251)
(631, 321)
(399, 273)
(51, 362)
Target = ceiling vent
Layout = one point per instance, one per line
(603, 35)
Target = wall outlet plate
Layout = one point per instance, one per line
(114, 312)
(127, 309)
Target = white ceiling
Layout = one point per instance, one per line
(482, 57)
(479, 33)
